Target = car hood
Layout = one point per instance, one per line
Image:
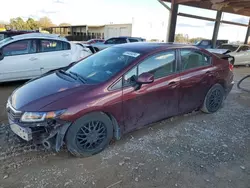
(43, 91)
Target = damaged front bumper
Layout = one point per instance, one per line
(50, 133)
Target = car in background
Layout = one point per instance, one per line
(240, 52)
(207, 44)
(95, 41)
(30, 55)
(117, 40)
(11, 33)
(116, 91)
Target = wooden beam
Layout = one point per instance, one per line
(211, 19)
(196, 17)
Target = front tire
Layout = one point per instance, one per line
(89, 135)
(214, 99)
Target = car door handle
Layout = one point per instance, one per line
(33, 59)
(209, 73)
(173, 85)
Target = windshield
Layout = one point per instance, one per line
(232, 48)
(5, 40)
(104, 64)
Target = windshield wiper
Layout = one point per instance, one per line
(67, 74)
(81, 78)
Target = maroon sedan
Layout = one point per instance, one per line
(116, 91)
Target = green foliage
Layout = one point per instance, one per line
(181, 38)
(31, 24)
(18, 23)
(45, 22)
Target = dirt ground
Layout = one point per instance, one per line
(189, 151)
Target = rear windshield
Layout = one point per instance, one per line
(105, 64)
(232, 48)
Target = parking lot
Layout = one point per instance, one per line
(193, 150)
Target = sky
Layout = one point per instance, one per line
(149, 17)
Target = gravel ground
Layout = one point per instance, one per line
(193, 150)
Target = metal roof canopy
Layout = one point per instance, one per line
(240, 7)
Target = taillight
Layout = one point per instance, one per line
(231, 67)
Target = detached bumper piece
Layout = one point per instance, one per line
(49, 133)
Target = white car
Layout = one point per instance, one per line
(30, 55)
(241, 52)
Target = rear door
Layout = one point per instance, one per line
(197, 76)
(20, 61)
(53, 54)
(155, 101)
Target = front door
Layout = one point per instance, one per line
(197, 74)
(20, 61)
(155, 101)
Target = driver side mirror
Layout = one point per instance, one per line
(145, 78)
(1, 54)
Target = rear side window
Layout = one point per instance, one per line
(66, 46)
(20, 48)
(193, 59)
(51, 45)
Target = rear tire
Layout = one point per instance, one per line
(89, 135)
(214, 99)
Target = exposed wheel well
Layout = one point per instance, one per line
(116, 127)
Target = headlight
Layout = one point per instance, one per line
(40, 116)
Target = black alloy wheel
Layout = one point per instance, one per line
(91, 135)
(214, 99)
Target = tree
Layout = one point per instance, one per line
(2, 25)
(194, 40)
(18, 24)
(32, 24)
(64, 24)
(181, 38)
(45, 22)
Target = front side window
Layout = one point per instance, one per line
(116, 41)
(133, 40)
(129, 77)
(20, 48)
(110, 41)
(104, 65)
(193, 59)
(50, 45)
(159, 65)
(205, 43)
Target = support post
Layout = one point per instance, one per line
(216, 28)
(172, 22)
(248, 33)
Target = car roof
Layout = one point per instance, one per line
(36, 36)
(146, 47)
